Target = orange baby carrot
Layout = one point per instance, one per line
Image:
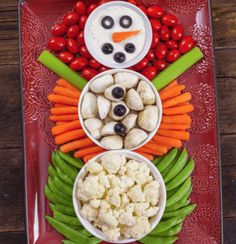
(178, 110)
(74, 145)
(176, 119)
(171, 92)
(167, 141)
(90, 156)
(165, 126)
(121, 36)
(60, 123)
(66, 84)
(181, 135)
(146, 155)
(58, 105)
(58, 90)
(69, 136)
(63, 99)
(64, 110)
(172, 84)
(66, 117)
(59, 129)
(144, 149)
(185, 97)
(155, 147)
(86, 151)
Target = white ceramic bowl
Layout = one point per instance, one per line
(93, 48)
(156, 175)
(141, 77)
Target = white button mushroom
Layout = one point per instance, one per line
(134, 138)
(89, 107)
(134, 101)
(112, 142)
(103, 106)
(126, 79)
(146, 93)
(148, 118)
(108, 129)
(100, 84)
(118, 111)
(94, 126)
(115, 93)
(130, 121)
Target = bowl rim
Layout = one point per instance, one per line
(156, 175)
(141, 77)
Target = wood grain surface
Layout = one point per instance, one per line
(12, 222)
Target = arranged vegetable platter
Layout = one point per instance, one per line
(193, 212)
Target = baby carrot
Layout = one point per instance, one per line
(178, 110)
(165, 126)
(74, 145)
(90, 156)
(172, 84)
(65, 117)
(60, 123)
(177, 119)
(167, 141)
(66, 84)
(64, 110)
(58, 105)
(156, 147)
(185, 97)
(171, 92)
(146, 155)
(149, 151)
(58, 90)
(63, 99)
(59, 129)
(181, 135)
(88, 150)
(69, 136)
(121, 36)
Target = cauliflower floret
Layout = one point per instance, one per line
(127, 218)
(151, 191)
(126, 182)
(88, 212)
(112, 162)
(124, 200)
(152, 212)
(116, 213)
(94, 168)
(114, 181)
(105, 205)
(112, 234)
(131, 169)
(136, 194)
(140, 208)
(113, 197)
(130, 207)
(108, 220)
(142, 174)
(95, 203)
(103, 179)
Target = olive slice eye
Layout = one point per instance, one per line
(125, 21)
(107, 22)
(107, 48)
(130, 48)
(119, 57)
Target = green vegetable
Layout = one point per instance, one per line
(64, 177)
(167, 170)
(54, 154)
(77, 163)
(173, 231)
(158, 240)
(93, 240)
(51, 171)
(156, 160)
(182, 212)
(177, 68)
(182, 176)
(64, 209)
(69, 242)
(167, 160)
(61, 69)
(66, 219)
(65, 188)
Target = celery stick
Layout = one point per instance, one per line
(61, 69)
(177, 68)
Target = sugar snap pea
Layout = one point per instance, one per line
(69, 242)
(54, 161)
(62, 208)
(66, 218)
(64, 187)
(75, 162)
(182, 212)
(51, 171)
(167, 160)
(178, 166)
(158, 239)
(173, 231)
(167, 170)
(64, 177)
(156, 160)
(93, 240)
(182, 176)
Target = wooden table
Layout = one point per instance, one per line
(12, 227)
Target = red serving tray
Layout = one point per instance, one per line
(36, 18)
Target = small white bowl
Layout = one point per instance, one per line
(156, 175)
(141, 77)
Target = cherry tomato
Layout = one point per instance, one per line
(150, 72)
(57, 43)
(80, 38)
(160, 64)
(102, 69)
(79, 63)
(155, 39)
(82, 21)
(169, 20)
(155, 11)
(93, 63)
(84, 52)
(142, 8)
(141, 65)
(165, 33)
(156, 24)
(186, 44)
(72, 46)
(59, 30)
(103, 1)
(70, 18)
(80, 8)
(91, 8)
(171, 44)
(150, 55)
(89, 73)
(132, 2)
(72, 31)
(65, 57)
(172, 56)
(161, 51)
(177, 32)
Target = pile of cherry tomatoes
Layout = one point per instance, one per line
(168, 42)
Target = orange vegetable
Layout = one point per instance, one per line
(90, 156)
(176, 119)
(171, 92)
(172, 84)
(66, 84)
(64, 110)
(156, 147)
(165, 126)
(185, 97)
(167, 141)
(74, 145)
(178, 110)
(59, 129)
(149, 151)
(63, 99)
(86, 151)
(58, 105)
(181, 135)
(69, 136)
(58, 90)
(67, 117)
(60, 123)
(121, 36)
(146, 155)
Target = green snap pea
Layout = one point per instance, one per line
(167, 170)
(173, 231)
(182, 212)
(167, 160)
(178, 166)
(182, 176)
(64, 176)
(69, 242)
(51, 171)
(86, 233)
(180, 193)
(158, 239)
(93, 240)
(56, 198)
(64, 187)
(75, 162)
(64, 209)
(66, 218)
(54, 161)
(156, 160)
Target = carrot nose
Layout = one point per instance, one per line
(121, 36)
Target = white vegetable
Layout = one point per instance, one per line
(89, 212)
(94, 167)
(124, 200)
(126, 79)
(133, 100)
(94, 126)
(108, 93)
(127, 219)
(140, 208)
(142, 174)
(126, 182)
(136, 194)
(151, 191)
(89, 107)
(111, 162)
(112, 142)
(108, 129)
(112, 234)
(146, 93)
(113, 197)
(103, 106)
(130, 121)
(108, 220)
(132, 169)
(148, 118)
(134, 138)
(103, 180)
(152, 212)
(115, 117)
(100, 84)
(95, 203)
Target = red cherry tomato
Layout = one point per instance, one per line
(161, 51)
(155, 39)
(79, 63)
(84, 52)
(93, 63)
(177, 32)
(65, 57)
(72, 46)
(80, 8)
(57, 43)
(169, 20)
(59, 30)
(102, 69)
(186, 44)
(150, 55)
(171, 44)
(72, 31)
(141, 65)
(71, 18)
(165, 33)
(82, 21)
(160, 64)
(89, 73)
(172, 56)
(150, 72)
(155, 11)
(156, 24)
(103, 1)
(132, 2)
(80, 38)
(91, 8)
(142, 8)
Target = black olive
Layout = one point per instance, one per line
(119, 110)
(107, 22)
(119, 57)
(125, 21)
(129, 48)
(107, 48)
(118, 92)
(120, 129)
